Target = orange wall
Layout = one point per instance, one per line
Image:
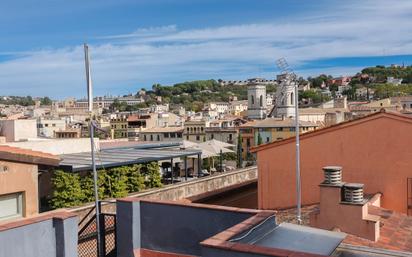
(375, 151)
(21, 178)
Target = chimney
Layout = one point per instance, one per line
(333, 175)
(353, 192)
(342, 206)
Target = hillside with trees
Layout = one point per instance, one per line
(379, 73)
(192, 94)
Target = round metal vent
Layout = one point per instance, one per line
(353, 192)
(333, 175)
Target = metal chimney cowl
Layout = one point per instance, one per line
(353, 192)
(333, 175)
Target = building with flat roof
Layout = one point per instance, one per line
(19, 172)
(269, 130)
(48, 127)
(162, 134)
(144, 228)
(18, 130)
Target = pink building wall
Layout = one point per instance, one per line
(375, 150)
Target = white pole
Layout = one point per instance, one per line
(90, 101)
(298, 189)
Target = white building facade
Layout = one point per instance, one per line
(257, 104)
(285, 100)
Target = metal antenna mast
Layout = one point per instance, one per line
(290, 78)
(91, 127)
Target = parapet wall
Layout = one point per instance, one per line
(48, 235)
(183, 190)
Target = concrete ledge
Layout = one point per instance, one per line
(192, 205)
(58, 214)
(182, 190)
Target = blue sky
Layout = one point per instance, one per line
(134, 44)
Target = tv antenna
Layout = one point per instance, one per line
(289, 78)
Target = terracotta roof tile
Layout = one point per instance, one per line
(10, 153)
(395, 227)
(395, 231)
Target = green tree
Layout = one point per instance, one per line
(115, 183)
(152, 175)
(259, 139)
(67, 190)
(46, 101)
(87, 185)
(239, 151)
(135, 177)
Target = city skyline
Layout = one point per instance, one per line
(135, 45)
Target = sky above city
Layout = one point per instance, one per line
(137, 43)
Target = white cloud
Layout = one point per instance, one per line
(123, 63)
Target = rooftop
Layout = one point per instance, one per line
(276, 123)
(115, 157)
(15, 154)
(163, 130)
(395, 228)
(233, 232)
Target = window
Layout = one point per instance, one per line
(230, 137)
(261, 100)
(187, 137)
(197, 138)
(158, 137)
(279, 129)
(166, 135)
(291, 98)
(11, 206)
(253, 100)
(212, 136)
(151, 137)
(144, 138)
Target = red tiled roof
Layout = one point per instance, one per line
(395, 227)
(395, 231)
(15, 154)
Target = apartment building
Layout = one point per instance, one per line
(269, 130)
(48, 127)
(195, 130)
(165, 134)
(18, 130)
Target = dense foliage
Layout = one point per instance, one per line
(191, 95)
(380, 73)
(45, 101)
(389, 90)
(71, 189)
(17, 100)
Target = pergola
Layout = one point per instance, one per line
(116, 157)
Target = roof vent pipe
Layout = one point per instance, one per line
(353, 192)
(333, 175)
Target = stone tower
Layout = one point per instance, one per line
(257, 106)
(285, 100)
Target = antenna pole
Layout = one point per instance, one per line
(298, 186)
(91, 129)
(290, 78)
